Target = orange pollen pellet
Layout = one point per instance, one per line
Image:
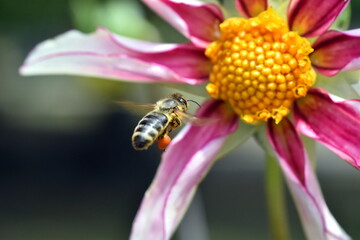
(163, 142)
(259, 67)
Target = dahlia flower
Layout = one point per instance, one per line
(261, 68)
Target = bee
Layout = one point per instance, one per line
(167, 114)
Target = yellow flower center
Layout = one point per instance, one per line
(259, 67)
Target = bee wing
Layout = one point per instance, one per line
(198, 121)
(137, 108)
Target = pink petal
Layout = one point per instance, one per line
(333, 122)
(336, 51)
(104, 54)
(292, 155)
(315, 215)
(185, 162)
(251, 8)
(311, 18)
(196, 20)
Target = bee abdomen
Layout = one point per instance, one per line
(141, 141)
(148, 130)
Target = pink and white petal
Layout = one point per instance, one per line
(196, 20)
(292, 156)
(332, 121)
(107, 55)
(336, 51)
(184, 164)
(315, 216)
(251, 8)
(311, 18)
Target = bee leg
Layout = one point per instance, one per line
(164, 140)
(175, 122)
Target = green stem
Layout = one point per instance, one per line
(276, 200)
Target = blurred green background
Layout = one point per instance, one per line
(67, 168)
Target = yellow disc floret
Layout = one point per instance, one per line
(259, 67)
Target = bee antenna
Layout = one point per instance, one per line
(194, 102)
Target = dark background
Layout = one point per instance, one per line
(67, 168)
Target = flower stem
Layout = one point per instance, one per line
(276, 200)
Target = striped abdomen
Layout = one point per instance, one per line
(149, 129)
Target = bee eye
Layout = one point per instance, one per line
(183, 101)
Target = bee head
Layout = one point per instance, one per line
(180, 98)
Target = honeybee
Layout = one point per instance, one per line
(167, 114)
